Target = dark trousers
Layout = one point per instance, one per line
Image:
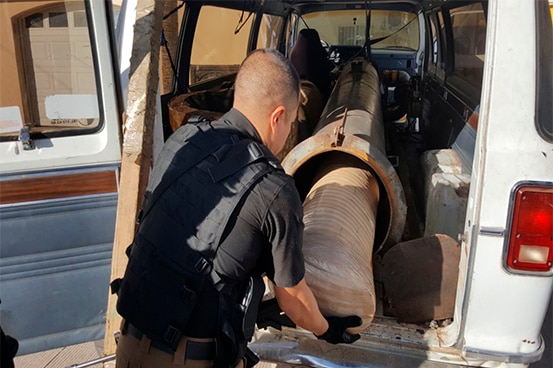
(8, 349)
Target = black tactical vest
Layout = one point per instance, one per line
(207, 169)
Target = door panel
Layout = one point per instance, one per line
(59, 165)
(54, 269)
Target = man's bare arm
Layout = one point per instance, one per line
(301, 307)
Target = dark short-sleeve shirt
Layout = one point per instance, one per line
(264, 236)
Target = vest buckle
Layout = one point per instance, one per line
(172, 335)
(202, 266)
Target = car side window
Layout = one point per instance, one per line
(172, 20)
(270, 31)
(442, 46)
(468, 26)
(48, 72)
(434, 40)
(218, 49)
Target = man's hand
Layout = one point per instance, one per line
(337, 326)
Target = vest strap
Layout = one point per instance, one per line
(246, 153)
(174, 174)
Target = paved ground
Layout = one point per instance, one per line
(74, 356)
(77, 356)
(63, 357)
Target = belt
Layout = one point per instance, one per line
(195, 350)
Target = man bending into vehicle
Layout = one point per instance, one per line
(220, 212)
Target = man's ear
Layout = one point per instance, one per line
(276, 117)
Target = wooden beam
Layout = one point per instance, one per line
(136, 158)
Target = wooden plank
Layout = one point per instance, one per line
(27, 189)
(137, 143)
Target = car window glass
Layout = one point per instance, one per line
(469, 36)
(269, 31)
(173, 15)
(435, 43)
(434, 38)
(48, 75)
(218, 49)
(390, 29)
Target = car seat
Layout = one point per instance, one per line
(311, 60)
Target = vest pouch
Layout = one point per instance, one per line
(230, 343)
(238, 307)
(250, 305)
(156, 298)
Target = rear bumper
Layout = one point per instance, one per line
(302, 348)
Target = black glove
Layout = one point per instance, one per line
(336, 332)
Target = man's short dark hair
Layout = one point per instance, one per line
(266, 74)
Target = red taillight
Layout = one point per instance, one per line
(531, 235)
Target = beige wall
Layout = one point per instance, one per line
(10, 86)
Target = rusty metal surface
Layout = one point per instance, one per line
(420, 278)
(357, 90)
(339, 216)
(351, 124)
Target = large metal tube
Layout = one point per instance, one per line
(354, 107)
(352, 124)
(354, 200)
